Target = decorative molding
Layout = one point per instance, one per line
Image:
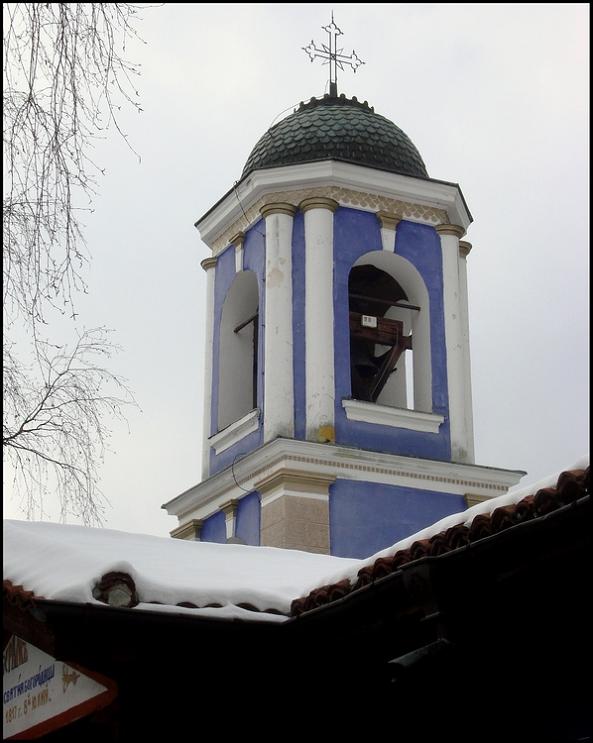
(464, 248)
(278, 207)
(293, 483)
(318, 202)
(237, 240)
(450, 229)
(209, 263)
(348, 463)
(388, 221)
(189, 530)
(427, 201)
(345, 197)
(235, 432)
(230, 517)
(230, 507)
(385, 415)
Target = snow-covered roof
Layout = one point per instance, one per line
(66, 563)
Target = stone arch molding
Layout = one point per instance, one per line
(409, 278)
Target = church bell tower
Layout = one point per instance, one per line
(337, 407)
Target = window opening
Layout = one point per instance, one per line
(254, 319)
(238, 352)
(377, 342)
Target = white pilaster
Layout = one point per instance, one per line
(208, 265)
(464, 248)
(230, 517)
(450, 235)
(237, 241)
(278, 344)
(389, 224)
(319, 317)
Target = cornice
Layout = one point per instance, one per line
(208, 263)
(415, 199)
(388, 221)
(191, 530)
(334, 461)
(450, 229)
(237, 240)
(278, 207)
(464, 248)
(318, 202)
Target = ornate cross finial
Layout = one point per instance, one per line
(333, 55)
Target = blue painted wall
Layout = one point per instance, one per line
(247, 525)
(366, 517)
(214, 529)
(253, 260)
(248, 519)
(356, 233)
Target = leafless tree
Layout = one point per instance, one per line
(65, 78)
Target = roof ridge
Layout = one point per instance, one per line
(570, 486)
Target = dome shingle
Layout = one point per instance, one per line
(333, 128)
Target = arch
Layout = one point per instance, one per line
(412, 290)
(237, 391)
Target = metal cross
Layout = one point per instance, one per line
(333, 55)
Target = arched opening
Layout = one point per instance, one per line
(237, 394)
(389, 333)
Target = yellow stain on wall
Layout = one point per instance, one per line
(326, 435)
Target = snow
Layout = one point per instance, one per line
(63, 563)
(462, 517)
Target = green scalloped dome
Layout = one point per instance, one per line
(332, 128)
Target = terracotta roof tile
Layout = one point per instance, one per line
(571, 485)
(17, 595)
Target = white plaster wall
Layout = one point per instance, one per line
(278, 349)
(235, 395)
(207, 411)
(388, 238)
(454, 345)
(467, 383)
(319, 320)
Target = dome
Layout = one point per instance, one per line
(337, 128)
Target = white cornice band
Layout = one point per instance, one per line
(429, 193)
(385, 415)
(235, 432)
(334, 461)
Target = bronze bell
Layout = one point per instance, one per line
(362, 360)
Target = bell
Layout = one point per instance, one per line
(362, 361)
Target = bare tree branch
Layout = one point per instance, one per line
(65, 79)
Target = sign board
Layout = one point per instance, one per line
(369, 321)
(41, 694)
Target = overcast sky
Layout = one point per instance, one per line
(494, 96)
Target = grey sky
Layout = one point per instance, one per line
(494, 96)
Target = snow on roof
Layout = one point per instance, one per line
(64, 563)
(462, 517)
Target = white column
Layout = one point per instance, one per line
(450, 235)
(319, 317)
(389, 224)
(237, 241)
(464, 248)
(230, 517)
(278, 339)
(208, 265)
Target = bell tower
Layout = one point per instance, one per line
(337, 407)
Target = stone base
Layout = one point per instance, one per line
(296, 522)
